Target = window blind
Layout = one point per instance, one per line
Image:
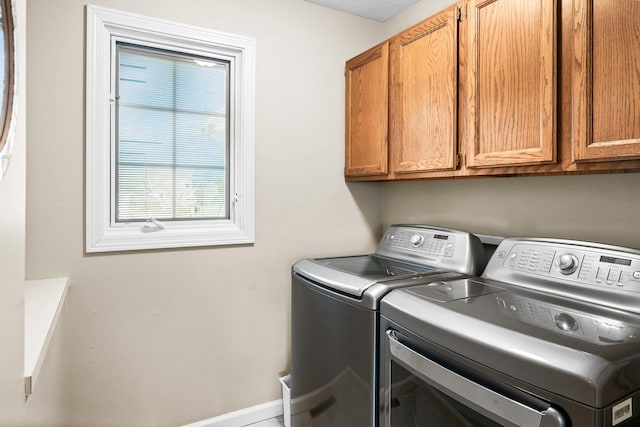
(172, 138)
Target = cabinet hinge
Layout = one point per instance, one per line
(457, 161)
(459, 14)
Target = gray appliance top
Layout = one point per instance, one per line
(404, 252)
(560, 315)
(593, 272)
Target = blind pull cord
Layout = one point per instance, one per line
(147, 228)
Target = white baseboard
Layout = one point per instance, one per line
(243, 417)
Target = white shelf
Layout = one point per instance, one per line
(43, 302)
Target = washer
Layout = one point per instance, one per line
(548, 336)
(335, 318)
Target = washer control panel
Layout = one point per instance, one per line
(435, 243)
(439, 248)
(600, 266)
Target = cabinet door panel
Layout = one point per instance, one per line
(423, 101)
(511, 82)
(606, 79)
(367, 112)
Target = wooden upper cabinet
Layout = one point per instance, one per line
(606, 80)
(423, 110)
(511, 82)
(367, 100)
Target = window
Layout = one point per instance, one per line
(169, 134)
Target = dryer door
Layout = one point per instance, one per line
(424, 392)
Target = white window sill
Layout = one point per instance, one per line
(43, 302)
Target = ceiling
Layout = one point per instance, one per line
(378, 10)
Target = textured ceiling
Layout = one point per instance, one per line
(379, 10)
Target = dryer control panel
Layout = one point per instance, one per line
(569, 267)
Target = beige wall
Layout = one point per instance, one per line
(12, 232)
(600, 208)
(416, 13)
(168, 337)
(44, 407)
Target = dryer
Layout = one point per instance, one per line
(549, 336)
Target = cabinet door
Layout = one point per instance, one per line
(424, 95)
(367, 110)
(606, 79)
(511, 97)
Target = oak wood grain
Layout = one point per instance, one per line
(511, 82)
(366, 105)
(423, 95)
(606, 79)
(568, 128)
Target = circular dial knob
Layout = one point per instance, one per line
(567, 263)
(566, 322)
(417, 239)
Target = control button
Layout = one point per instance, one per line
(566, 322)
(636, 275)
(416, 240)
(613, 277)
(567, 263)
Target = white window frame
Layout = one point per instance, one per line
(106, 27)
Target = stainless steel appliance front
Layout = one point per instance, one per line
(426, 390)
(536, 341)
(335, 319)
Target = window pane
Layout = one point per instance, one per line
(145, 80)
(145, 192)
(211, 78)
(145, 136)
(148, 192)
(172, 136)
(200, 140)
(200, 193)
